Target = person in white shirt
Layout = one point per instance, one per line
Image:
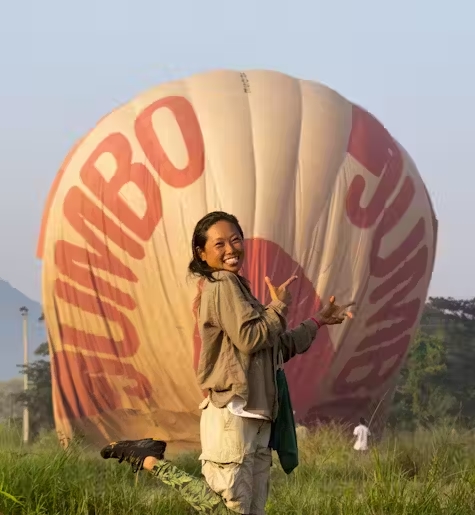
(361, 433)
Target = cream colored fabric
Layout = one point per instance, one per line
(320, 188)
(236, 458)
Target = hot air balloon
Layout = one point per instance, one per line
(321, 190)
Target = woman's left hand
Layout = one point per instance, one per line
(332, 313)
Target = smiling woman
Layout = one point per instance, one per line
(242, 344)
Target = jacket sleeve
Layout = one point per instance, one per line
(250, 330)
(297, 340)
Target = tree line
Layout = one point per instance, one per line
(437, 382)
(435, 385)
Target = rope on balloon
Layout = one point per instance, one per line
(378, 420)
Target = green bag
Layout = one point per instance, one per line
(283, 437)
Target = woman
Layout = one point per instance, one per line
(241, 341)
(241, 344)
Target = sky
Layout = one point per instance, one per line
(63, 65)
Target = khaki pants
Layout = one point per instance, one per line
(236, 458)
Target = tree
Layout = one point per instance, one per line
(454, 320)
(420, 397)
(437, 381)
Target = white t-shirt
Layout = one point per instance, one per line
(361, 432)
(236, 407)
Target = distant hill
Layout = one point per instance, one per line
(11, 342)
(8, 391)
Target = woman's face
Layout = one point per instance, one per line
(224, 248)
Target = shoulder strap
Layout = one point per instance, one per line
(280, 360)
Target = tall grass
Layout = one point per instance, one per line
(425, 473)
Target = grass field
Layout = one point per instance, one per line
(426, 473)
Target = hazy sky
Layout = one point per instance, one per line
(63, 65)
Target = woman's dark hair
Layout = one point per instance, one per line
(363, 421)
(197, 266)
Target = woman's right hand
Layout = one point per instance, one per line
(281, 292)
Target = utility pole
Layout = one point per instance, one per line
(26, 419)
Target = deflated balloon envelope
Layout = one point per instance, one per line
(321, 190)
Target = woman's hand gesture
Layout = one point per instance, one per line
(332, 313)
(281, 292)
